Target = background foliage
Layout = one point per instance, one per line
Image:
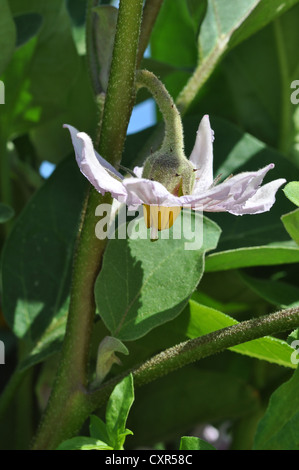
(234, 60)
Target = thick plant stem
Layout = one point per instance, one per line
(120, 92)
(68, 405)
(174, 136)
(199, 348)
(150, 12)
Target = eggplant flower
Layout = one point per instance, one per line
(238, 195)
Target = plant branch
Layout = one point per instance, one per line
(199, 348)
(121, 87)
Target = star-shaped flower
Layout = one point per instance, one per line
(238, 195)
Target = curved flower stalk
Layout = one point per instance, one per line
(238, 195)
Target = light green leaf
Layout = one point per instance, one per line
(194, 443)
(118, 407)
(83, 443)
(272, 254)
(279, 428)
(204, 320)
(6, 213)
(291, 191)
(7, 34)
(291, 223)
(225, 25)
(135, 290)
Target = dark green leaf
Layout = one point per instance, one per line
(174, 404)
(97, 429)
(7, 34)
(194, 443)
(277, 293)
(37, 260)
(27, 26)
(279, 428)
(145, 295)
(6, 213)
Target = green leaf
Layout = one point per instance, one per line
(276, 253)
(7, 34)
(291, 223)
(277, 293)
(97, 429)
(291, 191)
(139, 294)
(204, 320)
(27, 26)
(83, 443)
(39, 76)
(104, 39)
(118, 407)
(194, 443)
(37, 260)
(6, 213)
(279, 428)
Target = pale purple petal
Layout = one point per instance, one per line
(138, 170)
(262, 201)
(95, 168)
(202, 156)
(149, 192)
(234, 193)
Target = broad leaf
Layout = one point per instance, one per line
(143, 284)
(37, 260)
(204, 320)
(279, 428)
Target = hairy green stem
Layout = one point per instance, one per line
(174, 136)
(199, 348)
(150, 12)
(68, 405)
(121, 91)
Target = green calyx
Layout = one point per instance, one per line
(174, 171)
